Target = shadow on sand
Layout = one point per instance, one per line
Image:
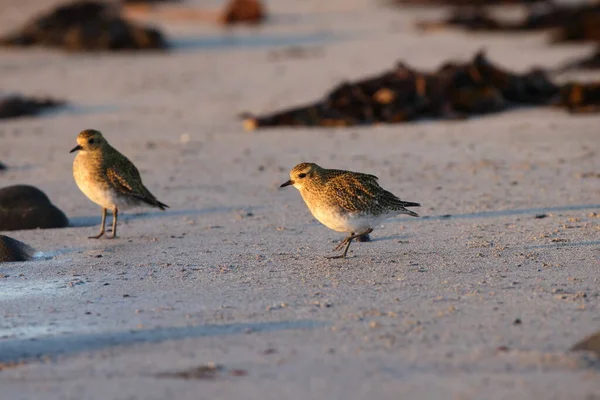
(68, 344)
(389, 237)
(565, 244)
(78, 222)
(508, 213)
(233, 40)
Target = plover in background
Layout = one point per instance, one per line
(346, 201)
(108, 178)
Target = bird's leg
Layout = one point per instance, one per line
(98, 236)
(344, 242)
(347, 242)
(114, 225)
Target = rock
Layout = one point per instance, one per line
(12, 106)
(3, 167)
(85, 26)
(244, 11)
(13, 250)
(591, 343)
(26, 207)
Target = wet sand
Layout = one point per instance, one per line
(481, 298)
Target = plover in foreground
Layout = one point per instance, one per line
(346, 201)
(108, 178)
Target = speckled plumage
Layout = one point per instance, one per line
(107, 177)
(346, 201)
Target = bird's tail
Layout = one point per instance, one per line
(160, 205)
(408, 212)
(151, 201)
(409, 204)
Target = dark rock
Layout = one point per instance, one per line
(13, 250)
(591, 343)
(85, 26)
(3, 167)
(12, 106)
(26, 207)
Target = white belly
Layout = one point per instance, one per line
(347, 222)
(104, 198)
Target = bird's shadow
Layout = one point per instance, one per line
(85, 221)
(66, 344)
(565, 244)
(507, 213)
(389, 237)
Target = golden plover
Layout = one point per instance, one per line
(346, 201)
(108, 178)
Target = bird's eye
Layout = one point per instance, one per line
(302, 175)
(91, 141)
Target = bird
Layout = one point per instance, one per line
(346, 201)
(108, 178)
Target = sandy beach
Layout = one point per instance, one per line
(480, 298)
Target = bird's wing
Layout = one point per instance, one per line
(340, 172)
(354, 191)
(125, 177)
(358, 192)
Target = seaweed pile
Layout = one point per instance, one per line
(243, 11)
(85, 26)
(460, 3)
(12, 105)
(234, 12)
(580, 98)
(454, 91)
(570, 23)
(149, 1)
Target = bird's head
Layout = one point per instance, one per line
(89, 140)
(302, 174)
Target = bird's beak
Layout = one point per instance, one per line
(288, 183)
(76, 148)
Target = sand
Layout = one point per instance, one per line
(478, 299)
